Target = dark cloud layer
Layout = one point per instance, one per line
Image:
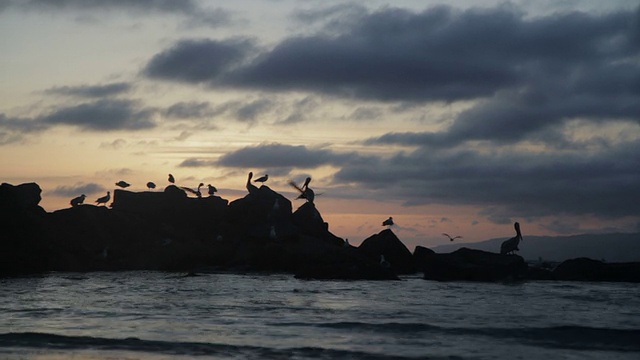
(280, 155)
(103, 115)
(91, 91)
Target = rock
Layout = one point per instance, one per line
(585, 269)
(260, 214)
(474, 265)
(420, 255)
(308, 221)
(20, 197)
(395, 252)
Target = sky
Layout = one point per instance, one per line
(456, 117)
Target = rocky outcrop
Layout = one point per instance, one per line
(473, 265)
(387, 244)
(585, 269)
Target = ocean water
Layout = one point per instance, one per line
(157, 315)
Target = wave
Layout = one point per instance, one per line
(36, 340)
(565, 337)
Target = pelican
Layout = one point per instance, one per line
(250, 187)
(172, 179)
(194, 192)
(452, 238)
(212, 189)
(104, 199)
(262, 179)
(123, 184)
(305, 190)
(388, 222)
(78, 200)
(384, 263)
(511, 245)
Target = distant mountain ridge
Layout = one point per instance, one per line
(615, 247)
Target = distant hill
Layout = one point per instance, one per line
(618, 247)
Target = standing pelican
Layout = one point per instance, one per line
(388, 222)
(151, 185)
(172, 179)
(104, 199)
(78, 200)
(250, 187)
(511, 245)
(123, 184)
(212, 189)
(262, 179)
(452, 238)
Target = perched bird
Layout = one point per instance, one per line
(250, 187)
(388, 222)
(78, 200)
(452, 238)
(104, 199)
(151, 185)
(212, 189)
(262, 179)
(384, 263)
(123, 184)
(511, 245)
(172, 179)
(305, 190)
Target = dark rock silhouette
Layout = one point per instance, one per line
(395, 252)
(584, 269)
(474, 265)
(420, 255)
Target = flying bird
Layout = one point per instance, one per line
(212, 189)
(123, 184)
(78, 200)
(388, 222)
(305, 190)
(104, 199)
(151, 185)
(452, 238)
(172, 179)
(194, 192)
(511, 245)
(262, 179)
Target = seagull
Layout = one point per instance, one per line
(452, 238)
(171, 179)
(511, 245)
(388, 222)
(104, 199)
(78, 200)
(384, 263)
(212, 189)
(151, 185)
(123, 184)
(262, 179)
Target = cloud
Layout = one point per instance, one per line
(91, 91)
(102, 115)
(198, 61)
(77, 189)
(190, 110)
(196, 14)
(280, 155)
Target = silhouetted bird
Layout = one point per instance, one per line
(123, 184)
(104, 199)
(194, 192)
(172, 179)
(388, 222)
(212, 189)
(305, 190)
(250, 187)
(78, 200)
(511, 245)
(262, 179)
(452, 238)
(151, 185)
